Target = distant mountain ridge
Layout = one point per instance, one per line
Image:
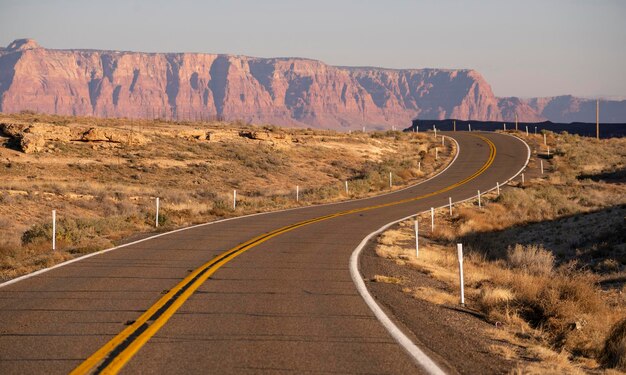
(282, 91)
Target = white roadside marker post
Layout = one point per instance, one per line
(541, 162)
(54, 230)
(156, 217)
(459, 248)
(450, 204)
(417, 129)
(535, 130)
(504, 126)
(417, 239)
(479, 203)
(390, 180)
(498, 188)
(346, 183)
(523, 179)
(527, 130)
(545, 142)
(443, 140)
(297, 193)
(234, 200)
(432, 219)
(469, 127)
(435, 129)
(419, 166)
(548, 150)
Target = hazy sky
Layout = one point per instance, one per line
(523, 48)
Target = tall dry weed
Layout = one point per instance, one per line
(613, 354)
(533, 259)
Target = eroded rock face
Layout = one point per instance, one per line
(31, 143)
(33, 137)
(274, 138)
(51, 132)
(289, 91)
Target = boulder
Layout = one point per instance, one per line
(113, 136)
(50, 132)
(137, 139)
(31, 143)
(198, 134)
(12, 129)
(257, 135)
(264, 135)
(95, 135)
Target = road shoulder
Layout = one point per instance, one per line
(457, 336)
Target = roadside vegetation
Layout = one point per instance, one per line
(102, 177)
(545, 261)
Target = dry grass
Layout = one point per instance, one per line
(613, 353)
(503, 351)
(533, 259)
(546, 261)
(387, 279)
(432, 295)
(548, 362)
(105, 194)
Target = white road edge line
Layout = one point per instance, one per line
(418, 356)
(62, 264)
(405, 342)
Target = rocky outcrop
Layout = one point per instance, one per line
(197, 134)
(32, 137)
(31, 143)
(275, 139)
(285, 91)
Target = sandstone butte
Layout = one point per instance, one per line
(282, 91)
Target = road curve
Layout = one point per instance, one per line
(281, 302)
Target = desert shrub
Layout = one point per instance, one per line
(255, 157)
(494, 299)
(5, 199)
(566, 306)
(533, 259)
(221, 207)
(74, 231)
(406, 174)
(613, 354)
(556, 200)
(37, 233)
(204, 195)
(8, 248)
(515, 199)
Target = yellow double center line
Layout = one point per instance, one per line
(119, 350)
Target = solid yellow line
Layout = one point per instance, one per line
(209, 269)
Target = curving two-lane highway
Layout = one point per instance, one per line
(269, 293)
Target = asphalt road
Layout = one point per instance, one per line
(283, 304)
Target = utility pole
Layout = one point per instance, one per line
(598, 119)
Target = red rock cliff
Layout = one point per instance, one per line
(283, 91)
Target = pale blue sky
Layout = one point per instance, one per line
(523, 48)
